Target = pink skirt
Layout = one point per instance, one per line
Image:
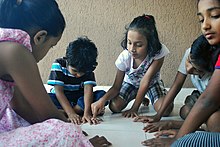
(51, 132)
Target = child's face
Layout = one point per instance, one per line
(194, 69)
(137, 45)
(209, 17)
(75, 72)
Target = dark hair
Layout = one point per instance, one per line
(201, 53)
(145, 25)
(32, 16)
(82, 54)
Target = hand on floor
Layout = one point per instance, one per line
(158, 142)
(130, 113)
(157, 126)
(74, 118)
(150, 119)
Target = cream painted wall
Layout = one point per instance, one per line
(103, 21)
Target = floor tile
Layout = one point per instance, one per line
(123, 132)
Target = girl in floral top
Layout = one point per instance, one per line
(28, 29)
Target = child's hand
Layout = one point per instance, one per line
(150, 119)
(130, 113)
(167, 133)
(158, 142)
(158, 126)
(97, 108)
(91, 120)
(74, 118)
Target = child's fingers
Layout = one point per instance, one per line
(77, 120)
(150, 128)
(85, 120)
(168, 133)
(95, 121)
(96, 111)
(135, 115)
(137, 119)
(141, 119)
(150, 120)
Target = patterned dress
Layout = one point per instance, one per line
(15, 131)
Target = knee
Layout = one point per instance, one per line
(213, 122)
(184, 111)
(116, 106)
(168, 110)
(158, 104)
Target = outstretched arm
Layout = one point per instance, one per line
(144, 85)
(88, 99)
(111, 93)
(168, 99)
(64, 102)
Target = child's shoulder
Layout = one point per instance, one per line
(164, 47)
(125, 54)
(17, 36)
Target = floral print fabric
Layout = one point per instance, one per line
(15, 131)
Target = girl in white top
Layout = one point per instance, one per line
(198, 62)
(138, 70)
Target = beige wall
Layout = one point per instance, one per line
(103, 21)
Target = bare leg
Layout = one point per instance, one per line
(78, 110)
(159, 103)
(184, 111)
(117, 104)
(213, 122)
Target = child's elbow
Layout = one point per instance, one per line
(209, 103)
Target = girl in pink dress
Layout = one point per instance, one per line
(28, 29)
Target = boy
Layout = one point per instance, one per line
(73, 80)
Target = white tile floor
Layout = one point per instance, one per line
(123, 132)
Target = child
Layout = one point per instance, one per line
(195, 62)
(73, 80)
(206, 108)
(26, 35)
(138, 70)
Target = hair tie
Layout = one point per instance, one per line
(147, 17)
(19, 2)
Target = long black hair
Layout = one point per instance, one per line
(32, 15)
(146, 26)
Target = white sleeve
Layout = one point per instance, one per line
(122, 61)
(182, 66)
(164, 51)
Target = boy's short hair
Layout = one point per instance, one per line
(82, 54)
